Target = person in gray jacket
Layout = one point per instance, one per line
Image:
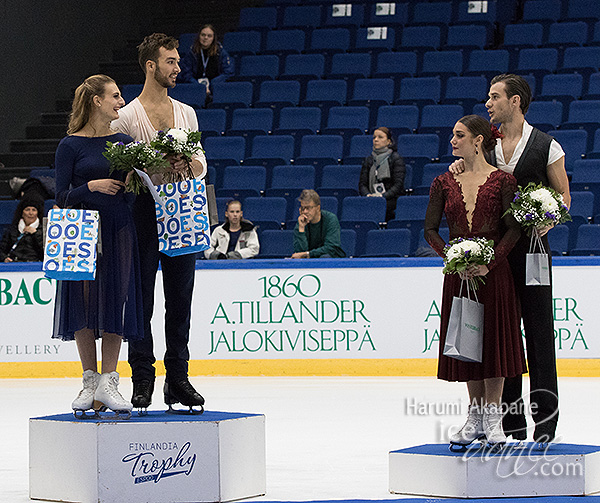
(236, 238)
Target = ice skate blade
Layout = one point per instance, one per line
(190, 412)
(142, 411)
(497, 447)
(475, 446)
(83, 414)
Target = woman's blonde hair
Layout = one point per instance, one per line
(83, 100)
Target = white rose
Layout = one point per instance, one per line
(178, 134)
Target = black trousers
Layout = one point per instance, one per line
(178, 285)
(538, 321)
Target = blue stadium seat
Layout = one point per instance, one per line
(349, 67)
(588, 240)
(303, 67)
(388, 14)
(249, 123)
(420, 38)
(583, 60)
(276, 94)
(339, 14)
(348, 241)
(586, 177)
(558, 238)
(276, 243)
(328, 41)
(298, 121)
(396, 65)
(388, 243)
(302, 16)
(573, 34)
(545, 115)
(430, 171)
(231, 95)
(283, 42)
(192, 94)
(257, 68)
(582, 204)
(375, 39)
(440, 120)
(583, 9)
(593, 89)
(466, 91)
(583, 115)
(545, 12)
(241, 182)
(325, 94)
(573, 142)
(8, 208)
(400, 119)
(466, 37)
(537, 62)
(268, 212)
(420, 91)
(211, 176)
(373, 93)
(272, 150)
(238, 43)
(523, 35)
(410, 214)
(361, 146)
(424, 146)
(288, 182)
(488, 63)
(442, 63)
(320, 150)
(260, 18)
(340, 181)
(211, 121)
(221, 207)
(424, 14)
(347, 122)
(468, 16)
(224, 151)
(362, 214)
(562, 87)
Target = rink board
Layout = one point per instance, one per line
(433, 470)
(159, 458)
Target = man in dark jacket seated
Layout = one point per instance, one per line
(317, 233)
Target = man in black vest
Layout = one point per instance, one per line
(531, 156)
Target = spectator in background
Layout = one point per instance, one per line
(23, 240)
(236, 238)
(207, 62)
(383, 172)
(317, 233)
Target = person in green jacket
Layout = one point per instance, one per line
(317, 233)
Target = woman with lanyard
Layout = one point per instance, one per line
(382, 173)
(207, 62)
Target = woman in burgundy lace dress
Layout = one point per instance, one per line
(474, 203)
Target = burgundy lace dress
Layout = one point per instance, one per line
(503, 354)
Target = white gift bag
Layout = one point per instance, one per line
(70, 250)
(537, 264)
(464, 337)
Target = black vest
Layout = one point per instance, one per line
(532, 166)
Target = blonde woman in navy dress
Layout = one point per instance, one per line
(108, 307)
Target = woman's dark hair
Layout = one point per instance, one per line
(212, 48)
(28, 200)
(477, 125)
(515, 85)
(388, 133)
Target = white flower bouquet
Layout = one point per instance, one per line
(460, 253)
(139, 155)
(537, 206)
(178, 142)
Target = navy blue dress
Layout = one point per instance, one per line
(112, 302)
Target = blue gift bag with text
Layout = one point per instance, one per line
(70, 250)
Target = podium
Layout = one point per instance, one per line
(158, 457)
(558, 470)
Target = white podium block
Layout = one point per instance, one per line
(433, 470)
(159, 458)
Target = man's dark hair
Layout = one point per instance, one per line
(150, 47)
(515, 85)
